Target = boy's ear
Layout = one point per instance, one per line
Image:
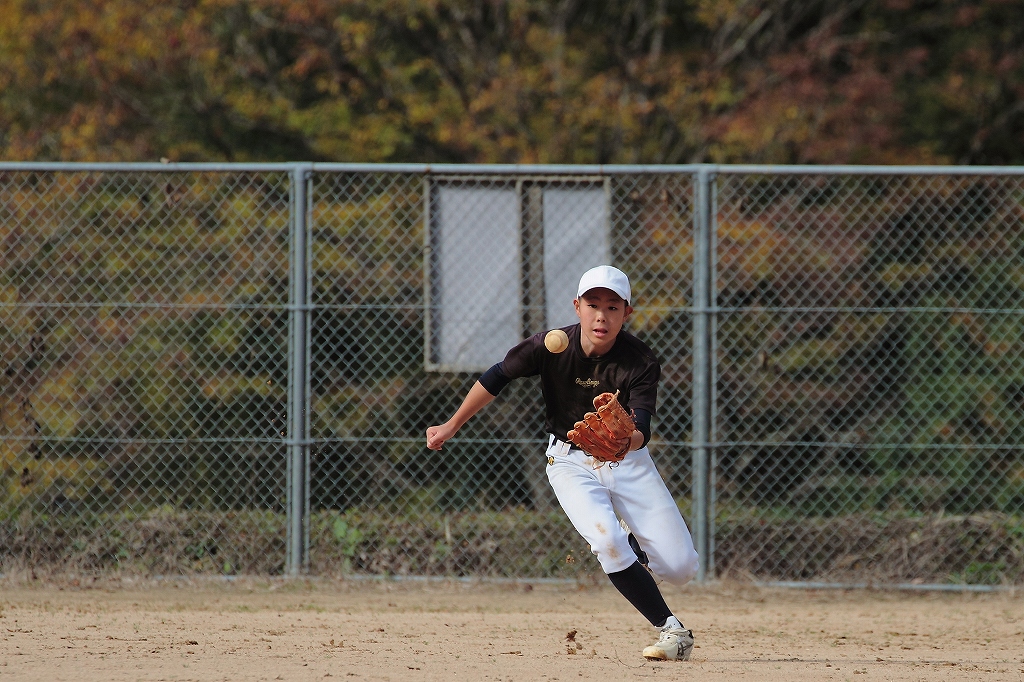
(576, 305)
(629, 311)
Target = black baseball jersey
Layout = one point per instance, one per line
(570, 380)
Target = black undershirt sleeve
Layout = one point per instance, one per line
(642, 419)
(494, 380)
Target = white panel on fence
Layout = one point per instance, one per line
(477, 310)
(576, 238)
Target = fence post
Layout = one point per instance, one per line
(298, 377)
(702, 371)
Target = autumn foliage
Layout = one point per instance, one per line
(870, 359)
(516, 81)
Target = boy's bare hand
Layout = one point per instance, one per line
(437, 435)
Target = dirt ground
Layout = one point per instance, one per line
(251, 629)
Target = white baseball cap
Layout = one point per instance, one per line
(605, 277)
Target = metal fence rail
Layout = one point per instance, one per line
(230, 368)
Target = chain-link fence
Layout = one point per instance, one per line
(870, 377)
(231, 368)
(144, 368)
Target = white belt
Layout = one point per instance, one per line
(563, 447)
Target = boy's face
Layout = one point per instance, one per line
(602, 314)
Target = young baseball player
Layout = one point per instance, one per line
(602, 359)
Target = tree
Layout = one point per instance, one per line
(607, 81)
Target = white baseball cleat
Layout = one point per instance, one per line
(675, 644)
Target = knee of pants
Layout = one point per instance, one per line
(613, 557)
(681, 572)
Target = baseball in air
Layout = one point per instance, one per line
(556, 341)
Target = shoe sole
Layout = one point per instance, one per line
(657, 654)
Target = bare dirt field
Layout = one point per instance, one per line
(253, 629)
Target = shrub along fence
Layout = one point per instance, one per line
(229, 368)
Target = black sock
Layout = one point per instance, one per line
(641, 555)
(637, 586)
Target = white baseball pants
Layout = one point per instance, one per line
(633, 490)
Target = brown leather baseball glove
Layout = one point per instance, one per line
(605, 433)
